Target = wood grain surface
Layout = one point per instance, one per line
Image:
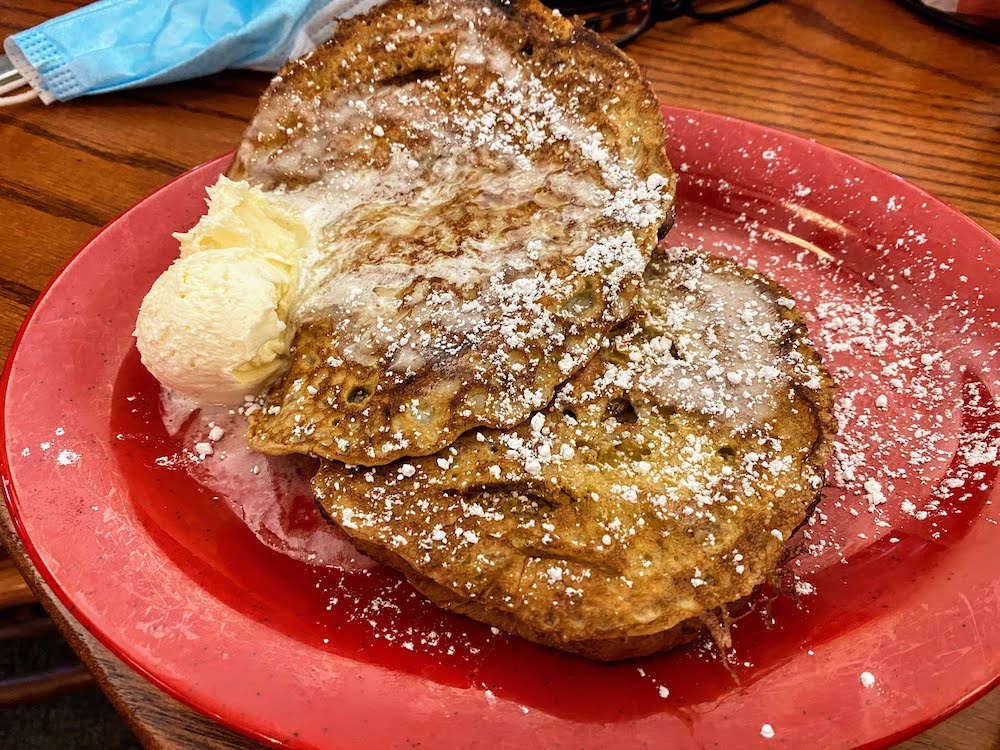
(863, 76)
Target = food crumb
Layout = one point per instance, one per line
(804, 588)
(663, 691)
(767, 731)
(67, 457)
(867, 679)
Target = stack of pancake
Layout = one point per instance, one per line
(540, 414)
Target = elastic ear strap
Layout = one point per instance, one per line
(27, 96)
(23, 74)
(12, 80)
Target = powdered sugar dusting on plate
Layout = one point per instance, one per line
(917, 410)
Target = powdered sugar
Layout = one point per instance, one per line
(67, 457)
(915, 426)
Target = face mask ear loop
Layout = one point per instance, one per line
(12, 81)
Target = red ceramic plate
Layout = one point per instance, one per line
(222, 586)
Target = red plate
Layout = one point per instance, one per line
(293, 641)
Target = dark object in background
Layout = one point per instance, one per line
(20, 626)
(83, 720)
(22, 619)
(47, 697)
(979, 18)
(622, 22)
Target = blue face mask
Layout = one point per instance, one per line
(117, 44)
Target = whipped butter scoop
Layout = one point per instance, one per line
(218, 323)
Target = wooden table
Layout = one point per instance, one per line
(864, 76)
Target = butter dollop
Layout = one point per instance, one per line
(217, 325)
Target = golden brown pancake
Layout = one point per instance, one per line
(659, 487)
(490, 180)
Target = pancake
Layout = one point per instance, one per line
(489, 180)
(657, 489)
